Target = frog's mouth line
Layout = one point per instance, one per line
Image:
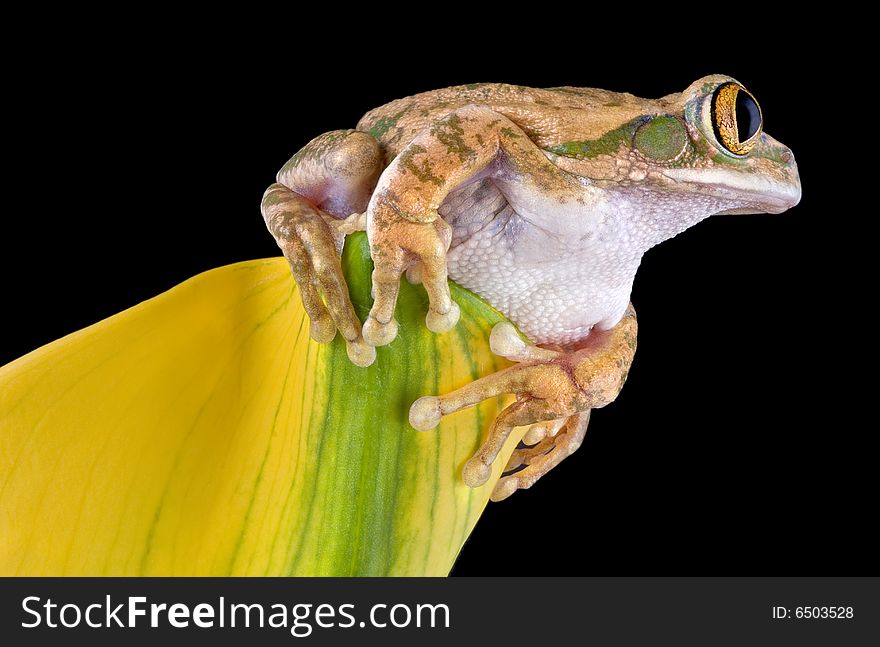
(758, 194)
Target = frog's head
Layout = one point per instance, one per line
(696, 153)
(720, 149)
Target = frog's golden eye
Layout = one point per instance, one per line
(736, 118)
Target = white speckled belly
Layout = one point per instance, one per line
(553, 288)
(558, 266)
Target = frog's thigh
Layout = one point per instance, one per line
(403, 224)
(336, 171)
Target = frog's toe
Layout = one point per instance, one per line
(360, 352)
(322, 329)
(538, 431)
(525, 455)
(377, 333)
(476, 471)
(441, 322)
(541, 458)
(425, 413)
(506, 486)
(380, 328)
(505, 341)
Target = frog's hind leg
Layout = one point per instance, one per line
(320, 197)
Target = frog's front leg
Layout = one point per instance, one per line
(405, 231)
(317, 200)
(555, 391)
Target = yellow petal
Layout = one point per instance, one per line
(203, 433)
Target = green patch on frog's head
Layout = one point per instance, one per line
(657, 138)
(662, 139)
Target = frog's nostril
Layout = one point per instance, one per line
(787, 156)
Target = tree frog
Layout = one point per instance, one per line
(541, 201)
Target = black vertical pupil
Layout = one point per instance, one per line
(748, 117)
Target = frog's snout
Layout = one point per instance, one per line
(789, 194)
(779, 175)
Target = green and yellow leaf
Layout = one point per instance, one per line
(202, 432)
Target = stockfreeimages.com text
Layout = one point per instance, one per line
(300, 619)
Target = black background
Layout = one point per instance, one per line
(733, 449)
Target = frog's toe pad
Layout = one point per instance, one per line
(440, 323)
(360, 352)
(506, 486)
(535, 434)
(322, 329)
(504, 340)
(379, 334)
(476, 472)
(425, 413)
(541, 430)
